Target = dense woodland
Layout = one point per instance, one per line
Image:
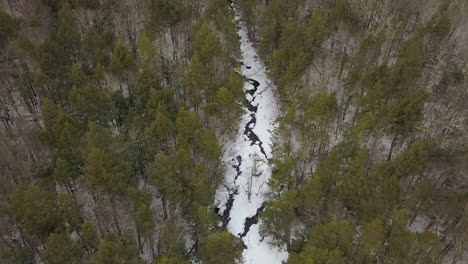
(115, 114)
(371, 153)
(112, 113)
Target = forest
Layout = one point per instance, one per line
(228, 132)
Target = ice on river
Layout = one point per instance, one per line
(259, 250)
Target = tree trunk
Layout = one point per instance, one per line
(389, 157)
(164, 204)
(114, 215)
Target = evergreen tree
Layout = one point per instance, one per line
(164, 177)
(122, 62)
(89, 237)
(114, 250)
(61, 249)
(161, 131)
(279, 218)
(220, 247)
(8, 27)
(188, 125)
(147, 53)
(91, 104)
(170, 259)
(36, 211)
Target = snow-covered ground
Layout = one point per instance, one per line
(253, 145)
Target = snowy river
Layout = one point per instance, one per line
(242, 197)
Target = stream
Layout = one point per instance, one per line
(242, 197)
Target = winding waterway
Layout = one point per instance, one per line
(242, 197)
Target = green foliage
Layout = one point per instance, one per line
(63, 172)
(61, 130)
(309, 197)
(331, 236)
(371, 242)
(105, 170)
(439, 25)
(54, 60)
(36, 210)
(161, 131)
(202, 191)
(167, 13)
(285, 175)
(275, 18)
(88, 4)
(295, 48)
(409, 64)
(18, 255)
(413, 161)
(188, 125)
(89, 237)
(8, 27)
(404, 115)
(114, 250)
(67, 34)
(97, 44)
(329, 243)
(195, 81)
(206, 43)
(343, 12)
(61, 249)
(279, 217)
(407, 247)
(209, 146)
(354, 186)
(170, 259)
(235, 85)
(91, 104)
(70, 211)
(147, 53)
(122, 60)
(205, 220)
(220, 247)
(145, 219)
(164, 176)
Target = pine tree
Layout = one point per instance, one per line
(91, 104)
(279, 218)
(209, 147)
(89, 237)
(164, 177)
(161, 131)
(201, 188)
(67, 34)
(36, 211)
(170, 259)
(122, 62)
(205, 220)
(188, 125)
(371, 242)
(70, 212)
(104, 171)
(146, 224)
(8, 27)
(60, 248)
(147, 53)
(116, 251)
(220, 247)
(195, 82)
(329, 243)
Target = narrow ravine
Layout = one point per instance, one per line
(242, 197)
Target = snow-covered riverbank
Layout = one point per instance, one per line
(247, 156)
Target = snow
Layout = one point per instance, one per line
(419, 224)
(259, 250)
